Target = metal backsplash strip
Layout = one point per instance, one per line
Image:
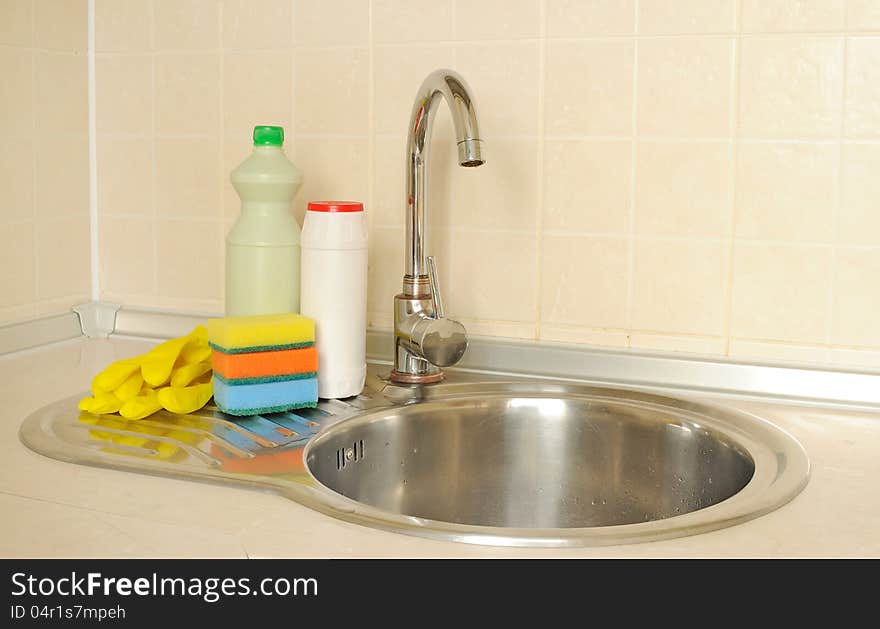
(568, 362)
(156, 324)
(537, 359)
(15, 337)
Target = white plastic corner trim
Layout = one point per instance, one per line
(97, 318)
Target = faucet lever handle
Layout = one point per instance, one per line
(435, 288)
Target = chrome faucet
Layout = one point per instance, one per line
(424, 339)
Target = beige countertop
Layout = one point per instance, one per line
(56, 509)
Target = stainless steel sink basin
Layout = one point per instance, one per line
(540, 464)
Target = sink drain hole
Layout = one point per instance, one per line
(355, 452)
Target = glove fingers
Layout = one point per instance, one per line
(140, 406)
(185, 374)
(130, 388)
(100, 404)
(157, 364)
(114, 375)
(197, 349)
(183, 400)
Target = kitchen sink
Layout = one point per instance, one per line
(541, 464)
(479, 458)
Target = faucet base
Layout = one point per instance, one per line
(409, 378)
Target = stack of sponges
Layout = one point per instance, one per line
(264, 363)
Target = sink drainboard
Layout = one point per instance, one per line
(208, 444)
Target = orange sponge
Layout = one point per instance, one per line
(259, 366)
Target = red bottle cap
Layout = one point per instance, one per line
(336, 206)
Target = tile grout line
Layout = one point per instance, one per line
(734, 122)
(556, 233)
(838, 197)
(646, 139)
(94, 251)
(631, 210)
(371, 115)
(539, 194)
(34, 148)
(500, 42)
(153, 153)
(220, 212)
(292, 93)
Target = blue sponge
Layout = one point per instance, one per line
(266, 397)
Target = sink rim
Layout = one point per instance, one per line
(782, 470)
(55, 431)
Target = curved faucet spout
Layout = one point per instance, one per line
(425, 340)
(440, 84)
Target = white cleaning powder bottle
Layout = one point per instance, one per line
(262, 248)
(334, 293)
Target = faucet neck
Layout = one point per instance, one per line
(439, 85)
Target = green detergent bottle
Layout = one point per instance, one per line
(263, 246)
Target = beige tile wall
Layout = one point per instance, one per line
(44, 178)
(697, 176)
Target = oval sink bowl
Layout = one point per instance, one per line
(529, 464)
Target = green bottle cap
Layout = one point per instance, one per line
(265, 135)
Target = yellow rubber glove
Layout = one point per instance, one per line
(144, 404)
(114, 375)
(184, 400)
(158, 363)
(197, 350)
(113, 386)
(184, 375)
(131, 387)
(100, 403)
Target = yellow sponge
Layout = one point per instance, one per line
(260, 333)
